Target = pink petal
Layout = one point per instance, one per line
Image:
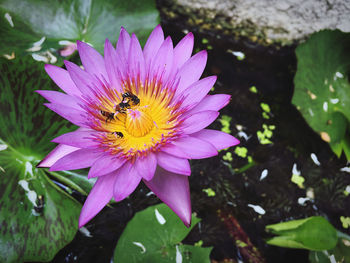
(219, 139)
(198, 121)
(176, 151)
(60, 151)
(73, 115)
(68, 50)
(191, 71)
(153, 44)
(104, 165)
(183, 51)
(123, 45)
(196, 148)
(146, 166)
(197, 91)
(127, 179)
(212, 103)
(81, 78)
(173, 190)
(136, 60)
(62, 79)
(162, 63)
(99, 196)
(111, 62)
(59, 98)
(173, 164)
(92, 60)
(79, 138)
(79, 159)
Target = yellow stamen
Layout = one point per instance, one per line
(145, 126)
(138, 123)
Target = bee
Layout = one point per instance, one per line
(40, 204)
(122, 106)
(118, 134)
(109, 115)
(127, 96)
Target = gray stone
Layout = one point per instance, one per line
(264, 21)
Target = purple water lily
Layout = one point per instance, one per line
(141, 116)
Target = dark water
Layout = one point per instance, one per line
(271, 71)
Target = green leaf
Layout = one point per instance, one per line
(341, 253)
(322, 90)
(154, 235)
(313, 233)
(91, 21)
(26, 232)
(37, 218)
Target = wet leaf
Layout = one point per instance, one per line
(91, 21)
(37, 218)
(312, 233)
(160, 240)
(322, 89)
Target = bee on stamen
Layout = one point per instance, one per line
(118, 134)
(128, 96)
(109, 115)
(122, 106)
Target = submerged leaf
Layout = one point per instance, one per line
(322, 90)
(37, 218)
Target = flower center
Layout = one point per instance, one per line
(138, 123)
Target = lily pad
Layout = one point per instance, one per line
(154, 235)
(37, 218)
(322, 89)
(92, 21)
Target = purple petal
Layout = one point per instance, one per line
(173, 164)
(173, 190)
(127, 179)
(219, 139)
(183, 51)
(196, 148)
(81, 78)
(212, 103)
(79, 159)
(71, 114)
(153, 44)
(79, 138)
(59, 98)
(62, 79)
(191, 71)
(162, 63)
(104, 165)
(197, 91)
(123, 45)
(198, 121)
(92, 60)
(99, 196)
(111, 62)
(176, 151)
(60, 151)
(146, 166)
(136, 60)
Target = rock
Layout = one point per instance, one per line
(280, 22)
